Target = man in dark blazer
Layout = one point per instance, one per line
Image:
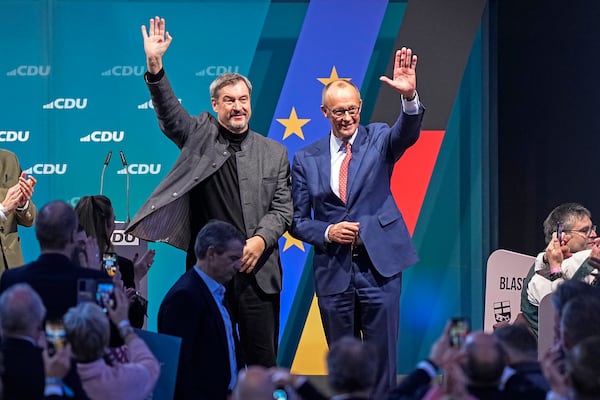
(194, 310)
(16, 208)
(26, 373)
(53, 275)
(360, 240)
(225, 171)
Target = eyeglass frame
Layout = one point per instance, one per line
(352, 111)
(582, 231)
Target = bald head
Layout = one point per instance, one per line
(55, 226)
(337, 85)
(254, 383)
(485, 359)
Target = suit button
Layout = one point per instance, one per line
(174, 194)
(225, 154)
(214, 165)
(152, 207)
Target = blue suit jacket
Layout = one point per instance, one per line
(376, 149)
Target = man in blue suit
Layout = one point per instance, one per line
(344, 207)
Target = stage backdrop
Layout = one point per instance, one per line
(72, 90)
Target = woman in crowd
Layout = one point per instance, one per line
(97, 217)
(88, 332)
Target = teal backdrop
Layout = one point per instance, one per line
(71, 75)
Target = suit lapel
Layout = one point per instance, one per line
(323, 160)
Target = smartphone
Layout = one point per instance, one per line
(459, 329)
(559, 232)
(56, 336)
(105, 295)
(109, 263)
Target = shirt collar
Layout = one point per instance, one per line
(336, 144)
(214, 286)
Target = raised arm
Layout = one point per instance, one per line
(156, 43)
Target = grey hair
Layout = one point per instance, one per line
(21, 310)
(217, 234)
(227, 79)
(88, 331)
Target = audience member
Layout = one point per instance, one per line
(53, 275)
(582, 366)
(16, 208)
(28, 372)
(352, 370)
(523, 368)
(482, 361)
(97, 217)
(254, 383)
(579, 320)
(88, 331)
(563, 294)
(578, 234)
(193, 309)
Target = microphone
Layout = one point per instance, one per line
(106, 161)
(124, 162)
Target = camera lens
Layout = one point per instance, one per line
(280, 394)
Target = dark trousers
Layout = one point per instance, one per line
(368, 309)
(257, 317)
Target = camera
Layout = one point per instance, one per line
(56, 336)
(459, 328)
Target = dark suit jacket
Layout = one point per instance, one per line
(10, 242)
(415, 385)
(263, 169)
(23, 375)
(190, 312)
(54, 277)
(375, 150)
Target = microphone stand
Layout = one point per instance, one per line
(106, 161)
(124, 162)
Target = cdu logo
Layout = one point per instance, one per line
(120, 238)
(30, 70)
(141, 169)
(147, 105)
(47, 169)
(14, 136)
(214, 70)
(103, 136)
(66, 104)
(124, 70)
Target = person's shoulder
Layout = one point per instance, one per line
(272, 144)
(7, 154)
(315, 147)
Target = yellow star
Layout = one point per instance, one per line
(332, 77)
(292, 241)
(293, 124)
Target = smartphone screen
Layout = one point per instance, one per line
(56, 336)
(105, 295)
(109, 263)
(459, 329)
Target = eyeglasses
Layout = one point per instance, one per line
(341, 112)
(584, 231)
